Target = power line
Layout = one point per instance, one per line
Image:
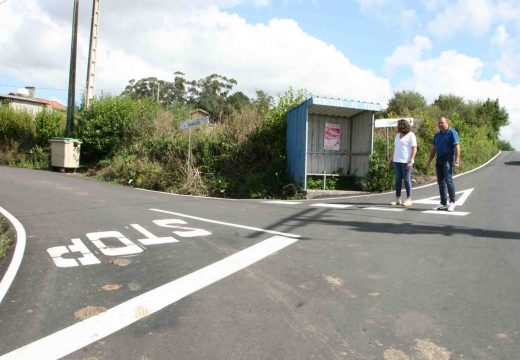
(57, 89)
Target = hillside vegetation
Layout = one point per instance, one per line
(134, 138)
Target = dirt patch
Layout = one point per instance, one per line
(141, 312)
(393, 354)
(333, 280)
(89, 311)
(418, 179)
(133, 286)
(111, 287)
(426, 350)
(120, 261)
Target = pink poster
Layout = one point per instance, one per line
(332, 136)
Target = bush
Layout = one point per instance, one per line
(7, 236)
(36, 158)
(48, 124)
(505, 145)
(16, 126)
(110, 123)
(380, 177)
(129, 169)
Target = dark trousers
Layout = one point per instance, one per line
(444, 170)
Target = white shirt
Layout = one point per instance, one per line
(403, 147)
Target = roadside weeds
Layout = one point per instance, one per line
(7, 236)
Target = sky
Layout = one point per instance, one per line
(361, 49)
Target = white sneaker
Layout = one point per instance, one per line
(451, 207)
(440, 207)
(396, 202)
(408, 202)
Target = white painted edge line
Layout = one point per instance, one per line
(415, 188)
(383, 208)
(16, 261)
(83, 333)
(452, 213)
(332, 206)
(282, 202)
(227, 224)
(189, 196)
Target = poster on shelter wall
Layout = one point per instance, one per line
(332, 136)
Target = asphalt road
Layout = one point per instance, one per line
(111, 272)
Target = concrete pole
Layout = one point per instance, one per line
(91, 67)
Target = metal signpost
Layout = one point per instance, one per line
(188, 124)
(388, 123)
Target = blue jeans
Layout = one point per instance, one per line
(402, 173)
(444, 170)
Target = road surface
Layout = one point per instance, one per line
(111, 272)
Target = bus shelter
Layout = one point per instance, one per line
(329, 136)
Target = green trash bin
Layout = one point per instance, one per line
(65, 152)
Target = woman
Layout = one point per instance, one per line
(405, 148)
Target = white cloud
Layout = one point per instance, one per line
(473, 15)
(454, 73)
(509, 62)
(501, 37)
(476, 17)
(408, 53)
(157, 38)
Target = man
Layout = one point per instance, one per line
(447, 150)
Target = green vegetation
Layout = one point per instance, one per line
(6, 237)
(477, 122)
(134, 138)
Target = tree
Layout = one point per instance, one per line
(454, 107)
(238, 100)
(180, 95)
(213, 94)
(406, 103)
(491, 113)
(151, 87)
(263, 102)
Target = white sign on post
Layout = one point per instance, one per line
(194, 122)
(188, 124)
(385, 123)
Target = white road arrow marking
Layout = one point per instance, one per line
(443, 212)
(383, 208)
(282, 202)
(332, 206)
(437, 199)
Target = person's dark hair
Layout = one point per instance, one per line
(406, 126)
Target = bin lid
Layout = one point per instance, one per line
(62, 139)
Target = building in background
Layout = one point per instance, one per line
(24, 99)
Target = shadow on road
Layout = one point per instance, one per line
(308, 217)
(512, 163)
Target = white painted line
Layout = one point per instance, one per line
(282, 202)
(384, 209)
(433, 200)
(443, 212)
(16, 261)
(466, 193)
(190, 196)
(81, 334)
(227, 224)
(415, 188)
(332, 206)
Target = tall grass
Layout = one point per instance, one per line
(6, 237)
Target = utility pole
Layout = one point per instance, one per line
(91, 68)
(72, 72)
